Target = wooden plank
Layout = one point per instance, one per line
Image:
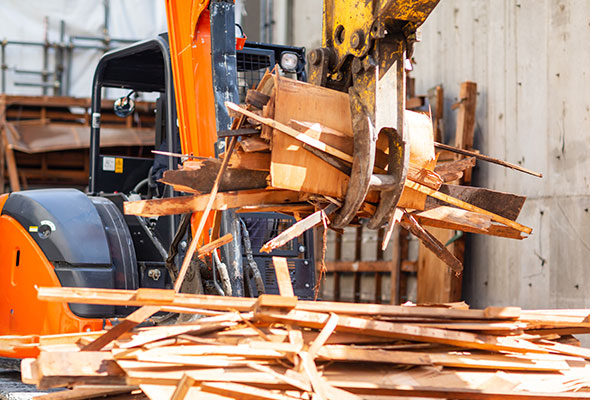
(250, 161)
(436, 103)
(143, 373)
(444, 392)
(292, 166)
(164, 392)
(358, 266)
(186, 382)
(507, 205)
(256, 98)
(432, 243)
(254, 144)
(457, 216)
(217, 243)
(87, 392)
(241, 391)
(453, 170)
(223, 201)
(405, 331)
(274, 300)
(323, 336)
(131, 321)
(298, 229)
(493, 230)
(467, 206)
(200, 177)
(464, 360)
(424, 176)
(88, 367)
(10, 161)
(302, 137)
(487, 158)
(127, 297)
(319, 385)
(283, 276)
(210, 200)
(435, 283)
(466, 115)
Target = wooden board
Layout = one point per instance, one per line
(435, 282)
(200, 177)
(223, 201)
(507, 205)
(293, 167)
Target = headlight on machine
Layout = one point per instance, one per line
(289, 61)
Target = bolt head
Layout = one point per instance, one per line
(357, 40)
(315, 56)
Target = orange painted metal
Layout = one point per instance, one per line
(3, 199)
(190, 51)
(24, 267)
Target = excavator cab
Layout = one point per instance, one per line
(64, 237)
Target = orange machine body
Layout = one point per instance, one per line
(190, 51)
(24, 268)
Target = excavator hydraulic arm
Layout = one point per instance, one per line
(364, 49)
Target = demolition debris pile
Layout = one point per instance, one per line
(276, 347)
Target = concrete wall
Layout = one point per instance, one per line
(530, 60)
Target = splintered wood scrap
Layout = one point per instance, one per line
(291, 132)
(328, 354)
(94, 391)
(211, 302)
(249, 161)
(466, 221)
(223, 201)
(199, 177)
(483, 157)
(283, 276)
(196, 237)
(140, 315)
(453, 170)
(467, 206)
(507, 205)
(254, 144)
(432, 243)
(217, 243)
(298, 229)
(131, 321)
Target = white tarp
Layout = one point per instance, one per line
(23, 21)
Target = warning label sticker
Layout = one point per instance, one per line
(119, 166)
(108, 164)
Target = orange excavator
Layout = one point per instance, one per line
(64, 237)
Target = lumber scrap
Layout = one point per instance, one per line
(199, 178)
(131, 321)
(298, 229)
(249, 161)
(331, 350)
(129, 298)
(453, 170)
(440, 195)
(404, 331)
(483, 157)
(507, 205)
(223, 201)
(283, 276)
(431, 242)
(89, 392)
